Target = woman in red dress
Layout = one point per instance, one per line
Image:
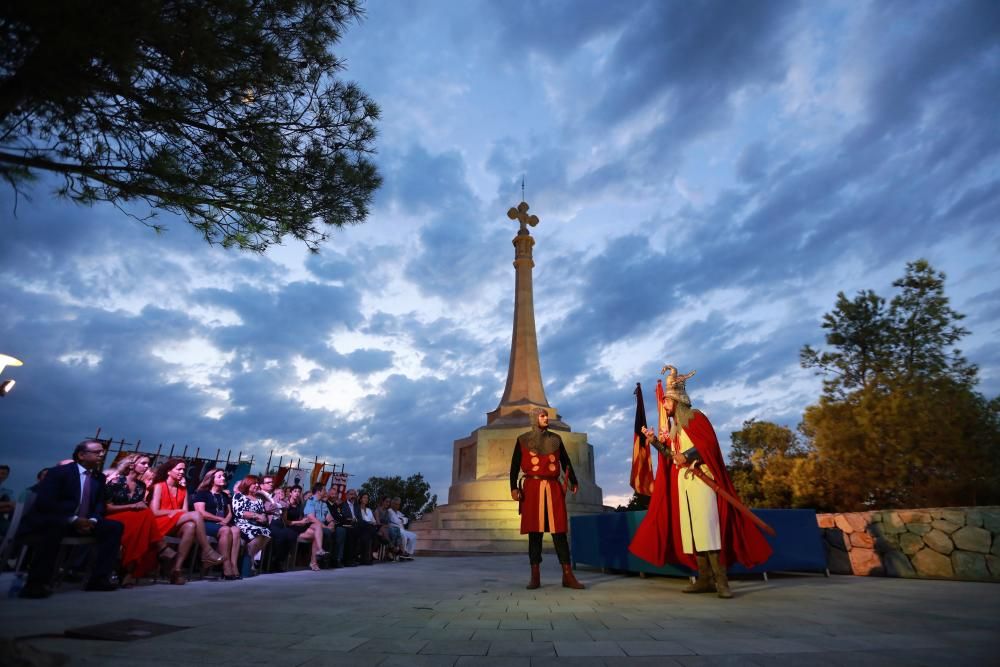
(168, 501)
(142, 538)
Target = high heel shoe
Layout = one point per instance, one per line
(314, 567)
(212, 557)
(177, 578)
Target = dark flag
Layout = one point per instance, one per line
(279, 476)
(642, 463)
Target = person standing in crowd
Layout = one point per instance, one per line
(251, 519)
(142, 538)
(70, 502)
(712, 534)
(168, 500)
(540, 455)
(213, 503)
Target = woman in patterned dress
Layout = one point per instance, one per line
(142, 538)
(212, 501)
(251, 519)
(168, 501)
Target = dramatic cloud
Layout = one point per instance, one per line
(708, 176)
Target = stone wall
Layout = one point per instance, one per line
(949, 543)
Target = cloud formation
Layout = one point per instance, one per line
(708, 177)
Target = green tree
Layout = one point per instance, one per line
(924, 328)
(636, 502)
(903, 427)
(413, 492)
(858, 335)
(762, 462)
(227, 113)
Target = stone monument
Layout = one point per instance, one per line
(480, 515)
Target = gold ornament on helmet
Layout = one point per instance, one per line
(675, 385)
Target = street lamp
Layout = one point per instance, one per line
(7, 385)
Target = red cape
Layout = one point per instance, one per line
(658, 538)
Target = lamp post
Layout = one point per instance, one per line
(7, 385)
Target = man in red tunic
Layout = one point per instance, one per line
(541, 456)
(687, 522)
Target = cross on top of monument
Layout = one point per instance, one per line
(521, 215)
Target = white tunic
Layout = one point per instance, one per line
(698, 507)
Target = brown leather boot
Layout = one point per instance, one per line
(719, 570)
(704, 583)
(569, 581)
(536, 580)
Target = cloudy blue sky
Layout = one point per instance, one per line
(708, 176)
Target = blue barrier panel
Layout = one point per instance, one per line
(602, 540)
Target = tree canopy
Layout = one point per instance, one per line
(227, 113)
(899, 422)
(413, 492)
(763, 463)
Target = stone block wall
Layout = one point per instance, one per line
(942, 543)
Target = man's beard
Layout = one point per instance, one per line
(679, 419)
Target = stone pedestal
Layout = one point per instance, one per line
(480, 515)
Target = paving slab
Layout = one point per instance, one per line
(475, 611)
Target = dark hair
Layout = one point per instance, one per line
(318, 486)
(161, 470)
(41, 473)
(4, 466)
(364, 494)
(293, 487)
(82, 447)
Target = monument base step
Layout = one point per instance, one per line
(483, 526)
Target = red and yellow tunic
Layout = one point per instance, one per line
(543, 504)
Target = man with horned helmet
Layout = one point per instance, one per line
(541, 456)
(687, 522)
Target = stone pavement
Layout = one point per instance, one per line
(475, 612)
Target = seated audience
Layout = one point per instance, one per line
(388, 532)
(368, 526)
(7, 500)
(396, 518)
(359, 536)
(70, 502)
(317, 506)
(304, 526)
(142, 539)
(28, 495)
(168, 500)
(344, 532)
(211, 500)
(274, 499)
(251, 519)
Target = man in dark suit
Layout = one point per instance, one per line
(359, 538)
(70, 502)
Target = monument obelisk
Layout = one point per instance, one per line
(480, 515)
